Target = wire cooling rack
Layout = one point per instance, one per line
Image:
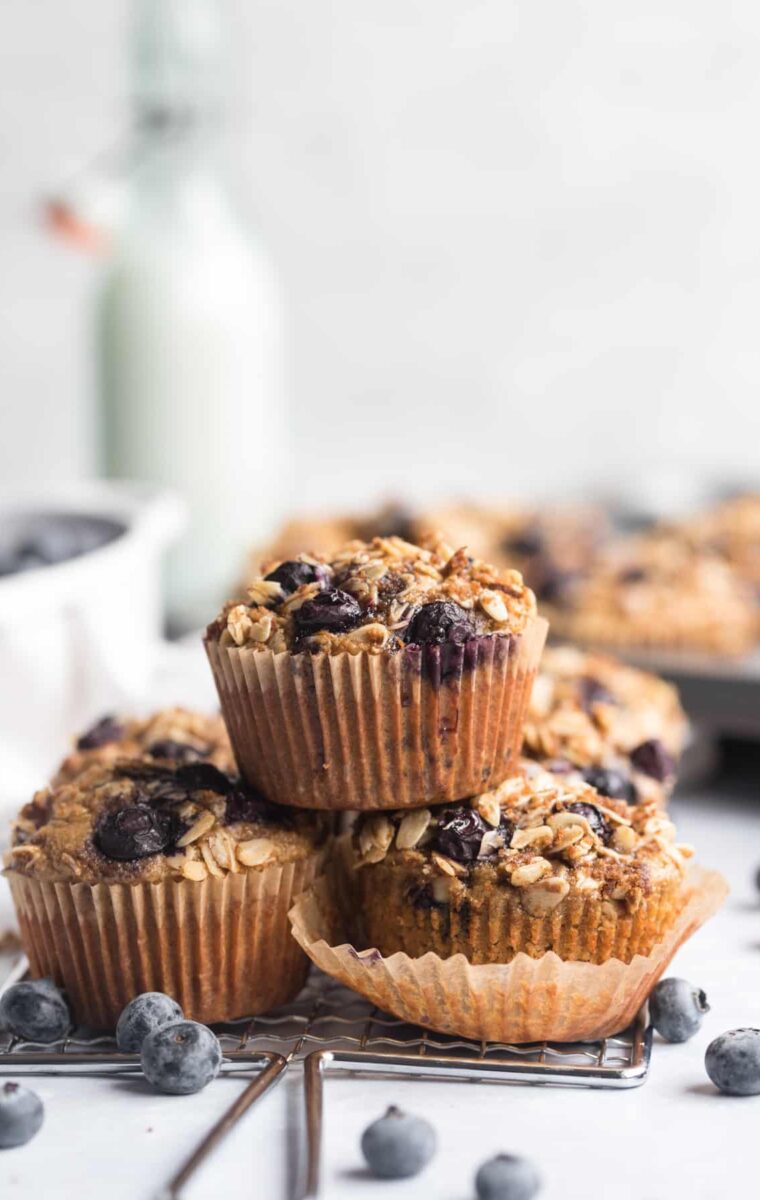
(330, 1028)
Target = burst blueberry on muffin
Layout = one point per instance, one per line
(595, 719)
(385, 676)
(173, 735)
(535, 865)
(147, 877)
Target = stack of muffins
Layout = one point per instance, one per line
(390, 681)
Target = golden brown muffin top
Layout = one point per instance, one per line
(535, 831)
(376, 596)
(141, 822)
(170, 736)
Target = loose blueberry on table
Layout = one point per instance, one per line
(149, 1011)
(507, 1177)
(35, 1011)
(398, 1145)
(181, 1058)
(733, 1062)
(21, 1115)
(677, 1009)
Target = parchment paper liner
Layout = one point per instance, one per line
(527, 1000)
(422, 726)
(221, 947)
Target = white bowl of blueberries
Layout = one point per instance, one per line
(80, 611)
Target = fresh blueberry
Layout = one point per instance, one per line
(441, 621)
(460, 834)
(292, 575)
(181, 1058)
(21, 1115)
(35, 1011)
(677, 1008)
(595, 819)
(608, 781)
(104, 731)
(332, 610)
(651, 758)
(179, 752)
(507, 1177)
(136, 832)
(142, 1015)
(733, 1062)
(398, 1145)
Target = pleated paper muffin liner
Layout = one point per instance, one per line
(526, 1000)
(425, 725)
(221, 947)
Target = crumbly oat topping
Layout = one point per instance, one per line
(140, 822)
(375, 597)
(172, 735)
(732, 531)
(535, 832)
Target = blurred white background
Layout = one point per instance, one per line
(519, 241)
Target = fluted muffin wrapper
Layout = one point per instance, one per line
(424, 725)
(222, 947)
(525, 1000)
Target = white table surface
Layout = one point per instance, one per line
(674, 1137)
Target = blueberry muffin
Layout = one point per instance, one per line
(594, 719)
(554, 548)
(142, 876)
(732, 531)
(537, 864)
(173, 735)
(656, 591)
(385, 676)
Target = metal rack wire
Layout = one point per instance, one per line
(329, 1028)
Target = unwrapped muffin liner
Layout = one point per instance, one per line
(221, 947)
(526, 1000)
(424, 725)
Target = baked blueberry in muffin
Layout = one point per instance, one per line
(144, 876)
(534, 865)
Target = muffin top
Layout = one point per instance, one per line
(620, 729)
(376, 596)
(141, 822)
(534, 832)
(658, 590)
(171, 736)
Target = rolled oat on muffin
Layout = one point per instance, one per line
(143, 877)
(594, 719)
(387, 676)
(535, 865)
(172, 735)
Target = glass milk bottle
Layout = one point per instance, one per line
(189, 320)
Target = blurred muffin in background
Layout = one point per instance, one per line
(173, 736)
(593, 719)
(553, 548)
(732, 531)
(658, 591)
